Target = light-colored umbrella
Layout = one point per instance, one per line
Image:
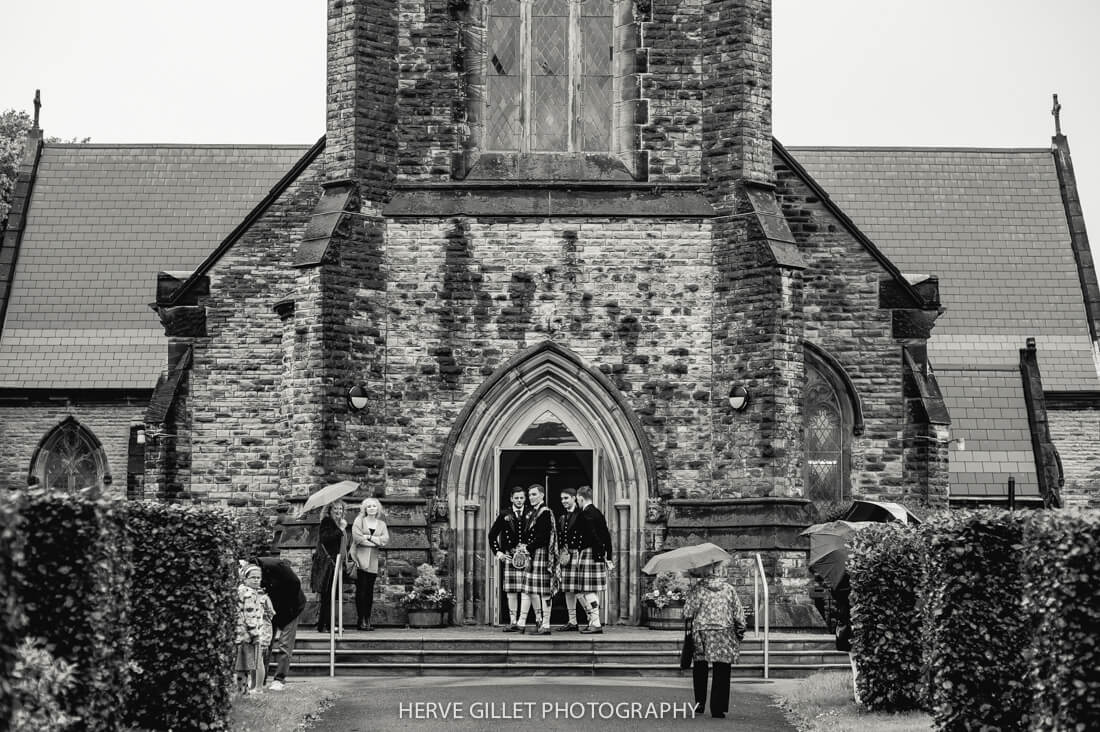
(685, 558)
(328, 494)
(881, 511)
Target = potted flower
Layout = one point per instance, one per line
(665, 601)
(427, 602)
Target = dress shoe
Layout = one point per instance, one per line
(719, 715)
(592, 629)
(513, 628)
(567, 627)
(370, 626)
(543, 631)
(322, 628)
(362, 625)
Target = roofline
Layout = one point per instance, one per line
(171, 145)
(847, 222)
(917, 148)
(259, 210)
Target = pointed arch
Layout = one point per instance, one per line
(545, 378)
(832, 415)
(69, 458)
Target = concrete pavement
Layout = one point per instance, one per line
(378, 704)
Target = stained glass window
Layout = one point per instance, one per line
(548, 75)
(69, 459)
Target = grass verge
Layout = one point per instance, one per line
(294, 708)
(823, 702)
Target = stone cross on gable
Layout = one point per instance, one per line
(1057, 112)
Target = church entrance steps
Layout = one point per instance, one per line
(620, 651)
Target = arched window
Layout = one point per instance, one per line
(831, 416)
(69, 459)
(548, 76)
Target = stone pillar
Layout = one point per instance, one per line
(625, 588)
(469, 579)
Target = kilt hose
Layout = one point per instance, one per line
(536, 578)
(584, 574)
(512, 577)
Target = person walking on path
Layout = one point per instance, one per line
(331, 543)
(368, 534)
(504, 537)
(285, 590)
(718, 625)
(595, 560)
(541, 577)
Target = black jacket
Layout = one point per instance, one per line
(574, 532)
(601, 536)
(505, 533)
(537, 528)
(283, 587)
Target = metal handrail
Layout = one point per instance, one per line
(336, 609)
(758, 580)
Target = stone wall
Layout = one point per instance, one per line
(1075, 433)
(24, 427)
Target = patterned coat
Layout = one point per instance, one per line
(250, 615)
(717, 616)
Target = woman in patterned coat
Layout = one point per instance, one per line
(718, 625)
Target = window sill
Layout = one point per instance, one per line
(548, 167)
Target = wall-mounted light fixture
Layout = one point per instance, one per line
(140, 436)
(357, 397)
(738, 398)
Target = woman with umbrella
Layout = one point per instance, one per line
(331, 543)
(718, 625)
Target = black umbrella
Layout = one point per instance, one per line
(880, 511)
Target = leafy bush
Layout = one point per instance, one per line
(11, 615)
(426, 592)
(886, 568)
(255, 535)
(976, 629)
(185, 600)
(40, 680)
(74, 587)
(1063, 599)
(667, 588)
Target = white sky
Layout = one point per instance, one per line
(847, 72)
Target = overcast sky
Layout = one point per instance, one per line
(847, 72)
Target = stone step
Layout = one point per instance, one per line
(561, 641)
(740, 671)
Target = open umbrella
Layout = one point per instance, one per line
(685, 558)
(880, 511)
(328, 494)
(828, 547)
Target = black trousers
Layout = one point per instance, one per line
(719, 690)
(364, 593)
(324, 598)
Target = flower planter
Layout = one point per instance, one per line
(670, 617)
(425, 618)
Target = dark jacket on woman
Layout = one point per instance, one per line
(504, 536)
(330, 540)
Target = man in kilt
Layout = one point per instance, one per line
(595, 560)
(541, 578)
(504, 537)
(578, 571)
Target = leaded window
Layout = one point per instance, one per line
(825, 430)
(69, 459)
(548, 76)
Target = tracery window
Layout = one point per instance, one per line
(549, 83)
(69, 459)
(827, 425)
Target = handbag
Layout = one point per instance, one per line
(687, 650)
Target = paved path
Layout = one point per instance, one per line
(377, 704)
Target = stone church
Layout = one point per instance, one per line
(554, 242)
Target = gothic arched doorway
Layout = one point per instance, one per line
(545, 400)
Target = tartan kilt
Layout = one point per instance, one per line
(536, 578)
(584, 574)
(512, 578)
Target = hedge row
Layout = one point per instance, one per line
(140, 597)
(886, 571)
(74, 588)
(184, 593)
(1000, 609)
(11, 617)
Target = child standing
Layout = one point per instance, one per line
(266, 634)
(249, 619)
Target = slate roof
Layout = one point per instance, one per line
(991, 225)
(103, 220)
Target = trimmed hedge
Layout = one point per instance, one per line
(11, 616)
(1063, 599)
(185, 606)
(74, 587)
(886, 567)
(976, 629)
